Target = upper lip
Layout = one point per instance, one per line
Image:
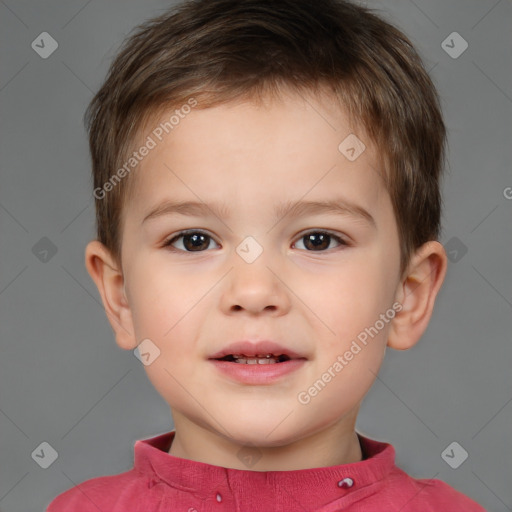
(249, 348)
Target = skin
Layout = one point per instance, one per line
(251, 156)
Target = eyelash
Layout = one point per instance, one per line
(168, 243)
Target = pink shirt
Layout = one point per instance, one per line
(160, 482)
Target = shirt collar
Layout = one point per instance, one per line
(323, 485)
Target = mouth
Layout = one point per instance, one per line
(260, 363)
(258, 359)
(259, 352)
(257, 370)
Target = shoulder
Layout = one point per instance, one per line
(431, 495)
(104, 493)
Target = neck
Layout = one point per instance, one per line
(334, 445)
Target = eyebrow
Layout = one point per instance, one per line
(337, 206)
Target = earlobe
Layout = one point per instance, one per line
(110, 283)
(417, 293)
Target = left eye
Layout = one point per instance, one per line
(319, 241)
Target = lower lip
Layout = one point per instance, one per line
(258, 373)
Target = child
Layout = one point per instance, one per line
(266, 176)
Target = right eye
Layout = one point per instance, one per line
(190, 241)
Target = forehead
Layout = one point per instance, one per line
(246, 151)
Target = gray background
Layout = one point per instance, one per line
(64, 381)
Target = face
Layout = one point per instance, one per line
(290, 241)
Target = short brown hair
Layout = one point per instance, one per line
(221, 50)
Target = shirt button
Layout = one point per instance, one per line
(219, 497)
(346, 483)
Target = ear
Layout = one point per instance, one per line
(110, 283)
(417, 292)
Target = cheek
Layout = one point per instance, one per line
(352, 298)
(169, 307)
(351, 306)
(158, 300)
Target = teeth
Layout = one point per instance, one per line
(259, 356)
(265, 360)
(257, 359)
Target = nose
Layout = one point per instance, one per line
(254, 288)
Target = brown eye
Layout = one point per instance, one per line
(191, 241)
(320, 241)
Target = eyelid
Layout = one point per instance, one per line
(175, 236)
(341, 239)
